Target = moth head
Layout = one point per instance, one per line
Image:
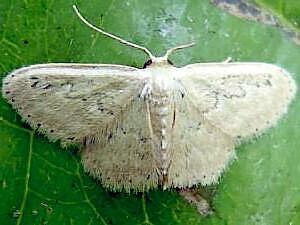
(159, 61)
(153, 60)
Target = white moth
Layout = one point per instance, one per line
(157, 126)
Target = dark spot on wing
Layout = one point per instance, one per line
(174, 118)
(143, 140)
(123, 130)
(47, 86)
(34, 84)
(199, 125)
(34, 78)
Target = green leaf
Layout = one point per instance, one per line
(288, 11)
(40, 183)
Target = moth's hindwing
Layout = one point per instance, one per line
(124, 159)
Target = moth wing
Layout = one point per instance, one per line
(199, 151)
(70, 102)
(124, 159)
(223, 102)
(241, 99)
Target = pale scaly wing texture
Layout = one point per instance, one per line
(241, 99)
(199, 150)
(72, 102)
(225, 103)
(125, 160)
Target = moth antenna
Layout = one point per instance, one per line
(152, 57)
(171, 50)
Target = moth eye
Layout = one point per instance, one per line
(28, 116)
(39, 125)
(147, 63)
(51, 131)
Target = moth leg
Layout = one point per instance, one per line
(228, 60)
(194, 197)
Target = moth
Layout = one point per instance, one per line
(160, 126)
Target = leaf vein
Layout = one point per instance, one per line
(27, 177)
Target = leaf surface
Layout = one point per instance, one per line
(40, 183)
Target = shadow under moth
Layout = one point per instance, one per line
(160, 126)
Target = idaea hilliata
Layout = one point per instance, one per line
(157, 126)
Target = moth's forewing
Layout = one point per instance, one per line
(69, 102)
(242, 99)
